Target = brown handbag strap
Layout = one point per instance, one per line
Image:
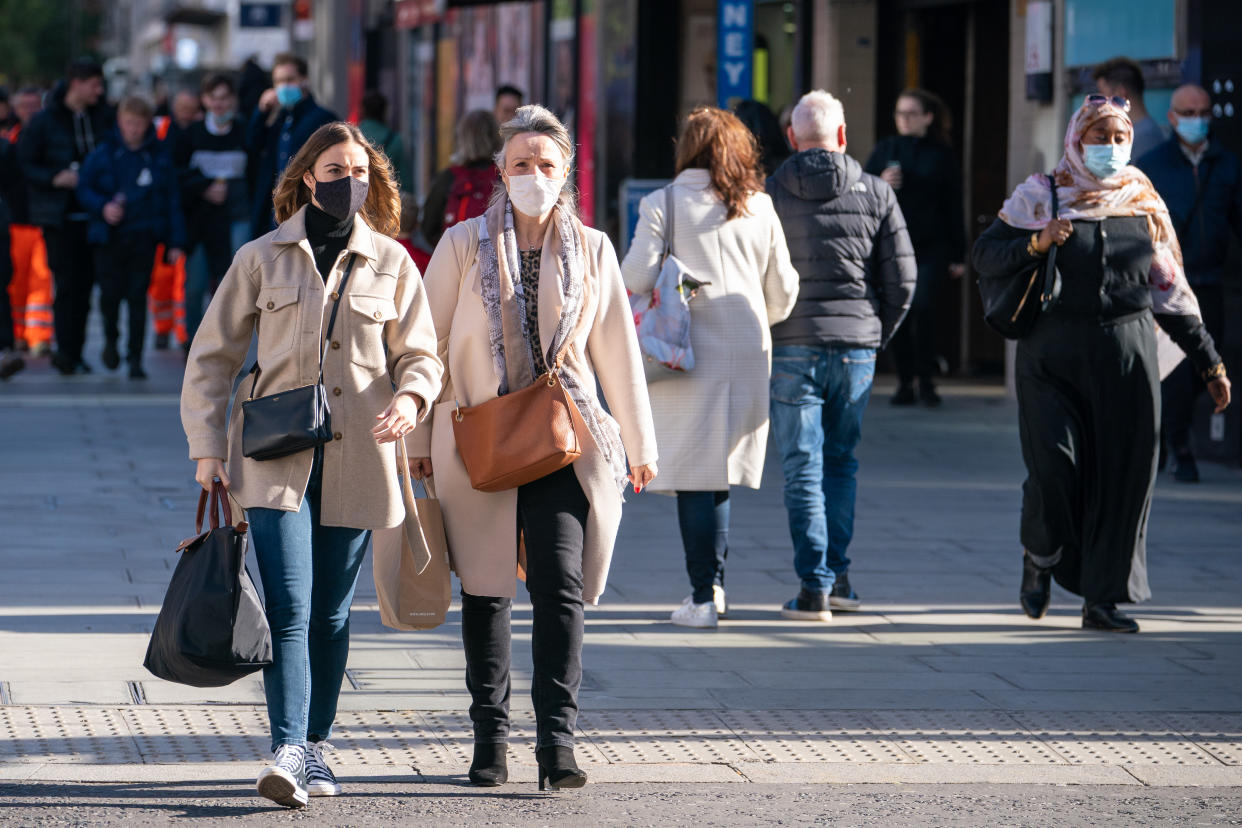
(212, 505)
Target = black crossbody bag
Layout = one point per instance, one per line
(1012, 305)
(295, 420)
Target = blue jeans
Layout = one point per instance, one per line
(819, 395)
(309, 572)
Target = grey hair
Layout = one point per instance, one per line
(478, 137)
(538, 119)
(816, 117)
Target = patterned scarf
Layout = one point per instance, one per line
(504, 302)
(1084, 197)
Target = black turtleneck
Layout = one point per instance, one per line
(328, 236)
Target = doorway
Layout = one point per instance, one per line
(960, 51)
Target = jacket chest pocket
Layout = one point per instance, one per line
(278, 320)
(367, 317)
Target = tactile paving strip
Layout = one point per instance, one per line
(1113, 738)
(648, 736)
(454, 733)
(1220, 734)
(92, 735)
(167, 735)
(980, 737)
(812, 736)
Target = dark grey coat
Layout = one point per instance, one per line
(848, 241)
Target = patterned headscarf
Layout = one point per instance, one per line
(1083, 197)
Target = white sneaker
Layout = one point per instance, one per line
(284, 781)
(718, 598)
(320, 780)
(690, 614)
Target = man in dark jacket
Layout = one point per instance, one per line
(286, 117)
(51, 150)
(848, 241)
(130, 190)
(1201, 183)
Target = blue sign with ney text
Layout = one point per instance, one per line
(735, 22)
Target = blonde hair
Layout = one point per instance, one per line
(382, 209)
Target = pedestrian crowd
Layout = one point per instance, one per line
(774, 269)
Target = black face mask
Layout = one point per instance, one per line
(341, 198)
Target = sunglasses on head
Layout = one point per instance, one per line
(1116, 100)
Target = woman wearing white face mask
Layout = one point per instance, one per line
(1087, 375)
(510, 291)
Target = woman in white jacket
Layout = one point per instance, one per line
(712, 422)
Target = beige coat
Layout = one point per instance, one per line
(482, 526)
(712, 423)
(273, 289)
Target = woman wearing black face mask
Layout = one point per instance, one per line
(329, 288)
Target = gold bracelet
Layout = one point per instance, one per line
(1215, 372)
(1031, 249)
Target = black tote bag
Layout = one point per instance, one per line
(211, 629)
(1012, 304)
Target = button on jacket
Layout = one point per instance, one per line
(383, 338)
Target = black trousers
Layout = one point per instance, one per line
(71, 261)
(703, 518)
(124, 266)
(1088, 419)
(6, 276)
(1182, 387)
(914, 343)
(552, 515)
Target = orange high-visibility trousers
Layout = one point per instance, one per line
(167, 297)
(31, 289)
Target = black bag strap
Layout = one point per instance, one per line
(1050, 266)
(327, 337)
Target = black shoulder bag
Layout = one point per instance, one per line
(295, 420)
(1011, 305)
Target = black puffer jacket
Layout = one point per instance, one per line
(54, 139)
(848, 241)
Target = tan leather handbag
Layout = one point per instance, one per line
(522, 436)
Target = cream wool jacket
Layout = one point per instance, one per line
(712, 422)
(383, 338)
(481, 526)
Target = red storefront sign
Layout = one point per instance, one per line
(410, 14)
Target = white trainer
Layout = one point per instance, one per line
(320, 780)
(284, 781)
(690, 614)
(718, 598)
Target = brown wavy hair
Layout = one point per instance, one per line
(717, 141)
(382, 209)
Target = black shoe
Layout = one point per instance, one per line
(904, 396)
(66, 366)
(10, 364)
(111, 359)
(1186, 470)
(1106, 617)
(136, 372)
(843, 596)
(1036, 591)
(928, 395)
(161, 342)
(810, 605)
(490, 766)
(557, 768)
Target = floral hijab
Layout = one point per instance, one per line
(1083, 197)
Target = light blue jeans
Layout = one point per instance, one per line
(309, 572)
(819, 395)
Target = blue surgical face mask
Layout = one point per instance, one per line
(1105, 160)
(1193, 131)
(288, 95)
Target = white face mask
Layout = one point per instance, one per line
(534, 194)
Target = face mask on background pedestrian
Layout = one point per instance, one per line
(220, 121)
(288, 94)
(1193, 131)
(534, 194)
(1105, 160)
